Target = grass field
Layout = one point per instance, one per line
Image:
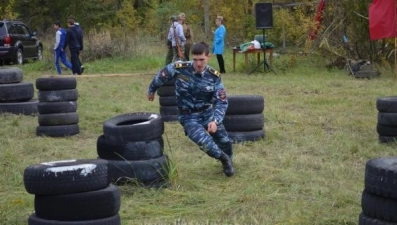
(320, 131)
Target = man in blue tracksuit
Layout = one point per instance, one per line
(74, 40)
(202, 103)
(60, 36)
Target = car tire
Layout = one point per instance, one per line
(56, 107)
(146, 172)
(19, 57)
(65, 177)
(139, 126)
(58, 131)
(56, 119)
(22, 91)
(136, 150)
(11, 75)
(56, 83)
(24, 108)
(243, 136)
(381, 177)
(245, 104)
(113, 220)
(58, 95)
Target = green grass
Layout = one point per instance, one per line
(320, 131)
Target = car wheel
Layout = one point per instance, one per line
(19, 57)
(39, 53)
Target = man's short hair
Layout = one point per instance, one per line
(58, 23)
(200, 48)
(71, 21)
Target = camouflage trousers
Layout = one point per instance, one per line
(176, 56)
(196, 125)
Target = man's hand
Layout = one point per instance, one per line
(150, 97)
(212, 127)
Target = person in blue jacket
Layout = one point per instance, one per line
(202, 102)
(59, 53)
(219, 43)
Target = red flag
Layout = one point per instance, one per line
(382, 19)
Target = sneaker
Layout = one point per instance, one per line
(82, 69)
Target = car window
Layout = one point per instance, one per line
(21, 30)
(3, 30)
(11, 29)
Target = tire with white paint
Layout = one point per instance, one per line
(68, 176)
(139, 126)
(57, 107)
(58, 95)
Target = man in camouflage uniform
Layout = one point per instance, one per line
(202, 103)
(187, 31)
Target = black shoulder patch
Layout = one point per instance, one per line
(179, 65)
(213, 71)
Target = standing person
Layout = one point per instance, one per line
(74, 41)
(81, 33)
(187, 31)
(176, 35)
(219, 43)
(202, 103)
(60, 36)
(170, 53)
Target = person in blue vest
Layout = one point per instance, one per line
(202, 102)
(59, 53)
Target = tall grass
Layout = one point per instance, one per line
(320, 131)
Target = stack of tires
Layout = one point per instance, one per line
(16, 97)
(379, 198)
(72, 192)
(133, 145)
(167, 100)
(244, 120)
(387, 119)
(57, 106)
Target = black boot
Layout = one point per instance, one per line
(227, 164)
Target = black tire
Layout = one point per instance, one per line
(89, 205)
(26, 108)
(16, 92)
(170, 83)
(169, 118)
(11, 75)
(243, 136)
(365, 220)
(56, 119)
(58, 95)
(56, 107)
(138, 150)
(58, 131)
(113, 220)
(64, 177)
(245, 104)
(387, 119)
(139, 126)
(386, 130)
(387, 104)
(379, 207)
(167, 101)
(381, 176)
(146, 172)
(19, 58)
(387, 139)
(166, 91)
(169, 110)
(56, 83)
(247, 122)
